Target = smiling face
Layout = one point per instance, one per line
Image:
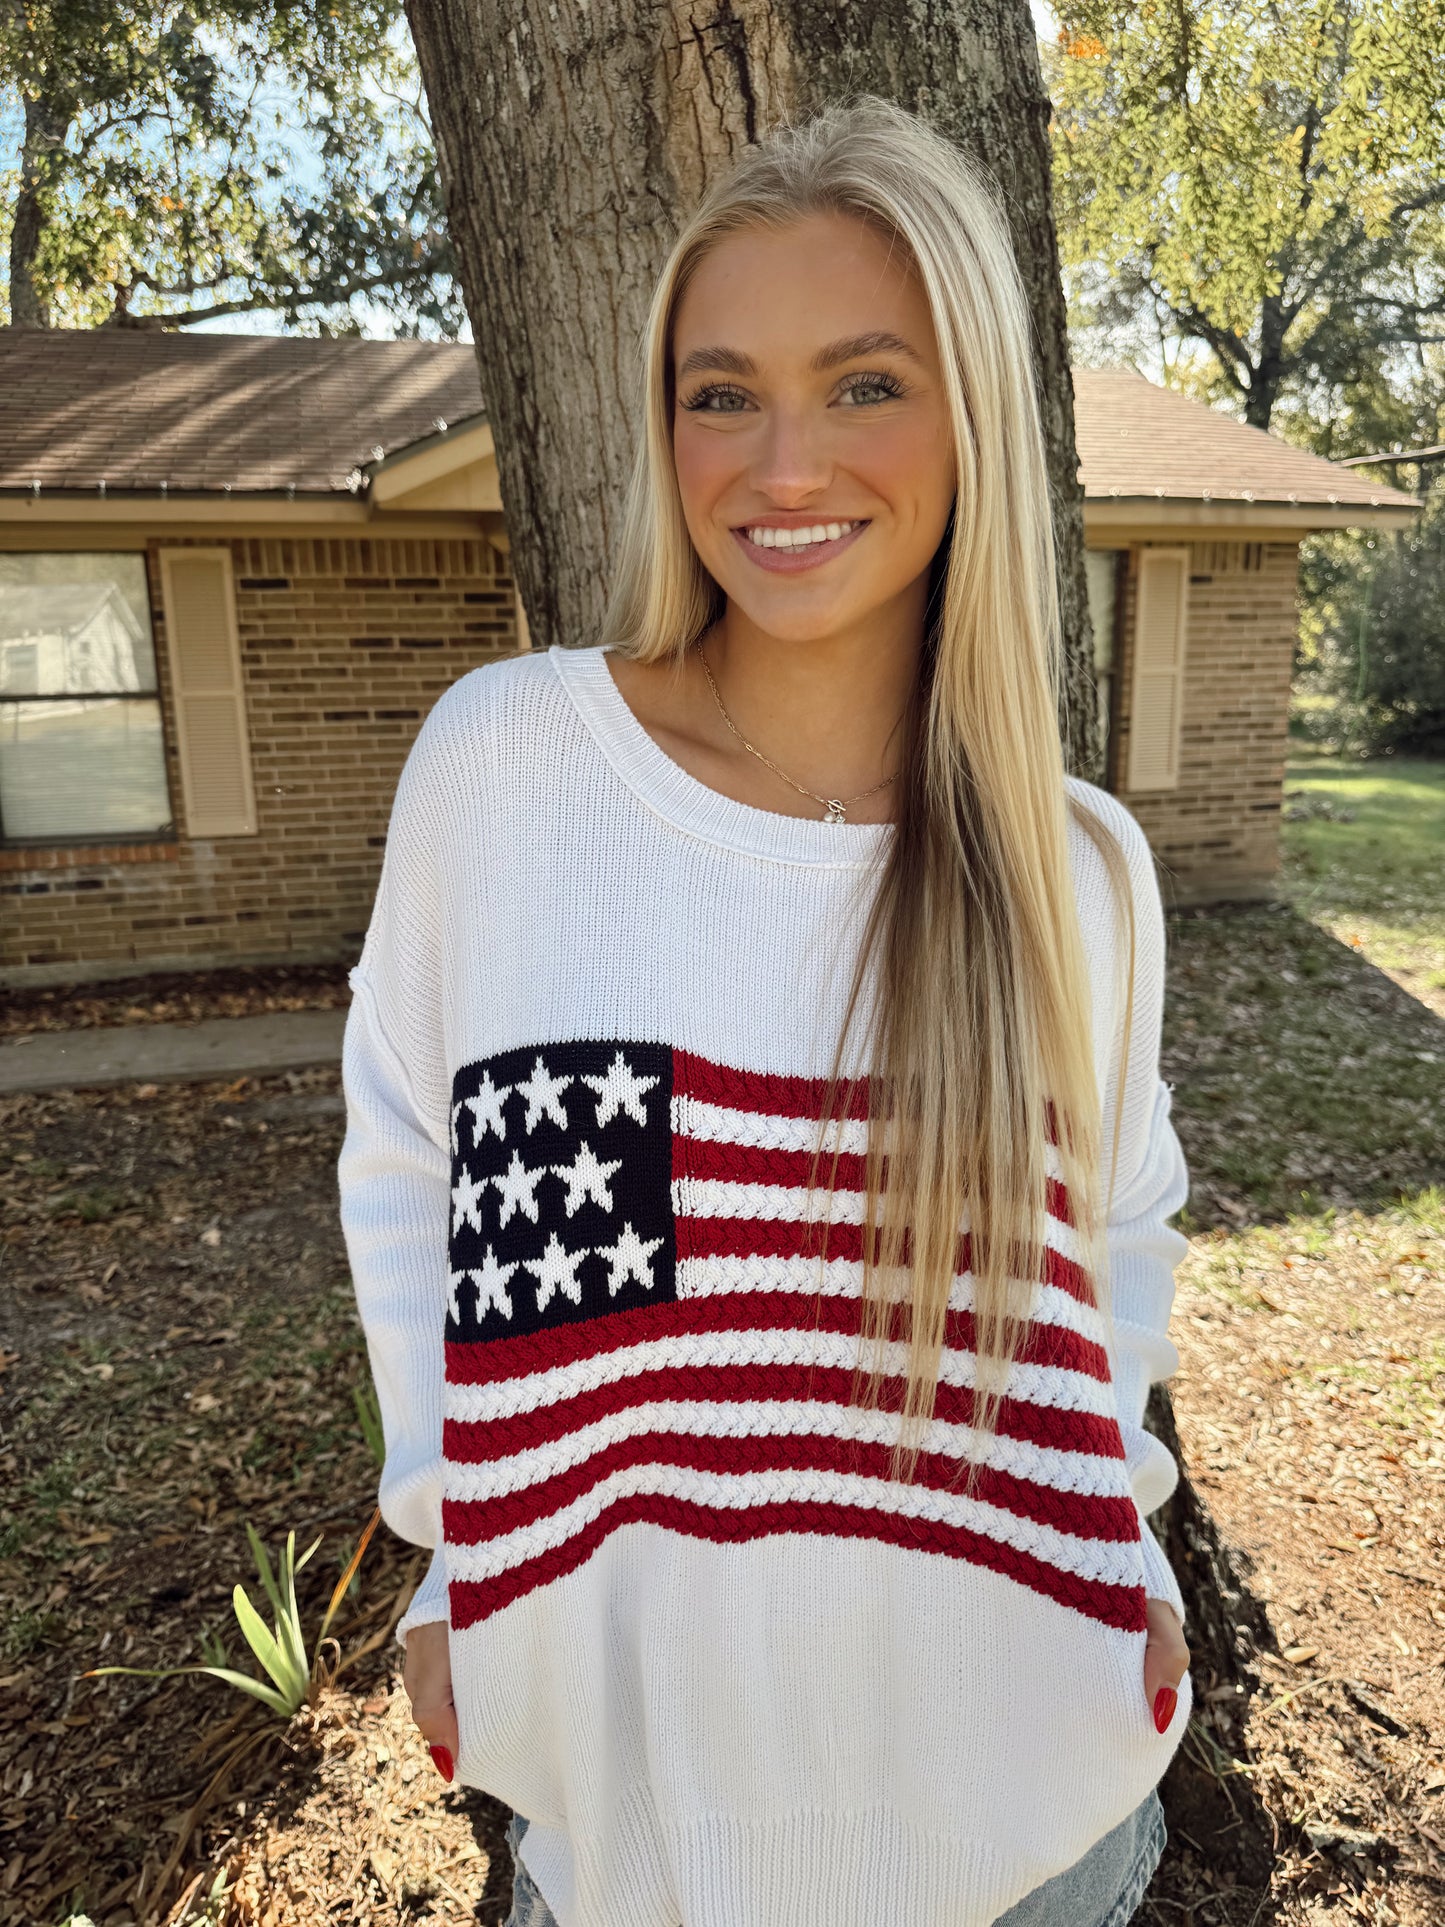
(810, 428)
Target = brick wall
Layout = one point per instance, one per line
(1217, 835)
(345, 645)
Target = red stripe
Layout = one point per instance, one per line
(765, 1091)
(1121, 1606)
(482, 1441)
(794, 1238)
(781, 1096)
(470, 1522)
(706, 1160)
(555, 1345)
(727, 1163)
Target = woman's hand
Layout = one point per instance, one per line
(1166, 1659)
(427, 1677)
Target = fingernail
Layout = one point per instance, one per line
(442, 1761)
(1165, 1700)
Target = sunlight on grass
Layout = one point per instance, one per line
(1364, 858)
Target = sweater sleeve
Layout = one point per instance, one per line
(394, 1168)
(1151, 1183)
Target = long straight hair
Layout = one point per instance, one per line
(980, 1098)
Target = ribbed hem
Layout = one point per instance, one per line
(667, 787)
(807, 1869)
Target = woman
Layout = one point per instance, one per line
(791, 1565)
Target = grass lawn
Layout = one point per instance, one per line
(1364, 848)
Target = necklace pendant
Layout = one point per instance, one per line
(835, 811)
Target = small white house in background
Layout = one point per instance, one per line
(1192, 523)
(237, 571)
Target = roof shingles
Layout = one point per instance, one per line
(1136, 439)
(138, 409)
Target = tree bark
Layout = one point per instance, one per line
(573, 139)
(46, 122)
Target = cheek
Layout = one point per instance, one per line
(910, 464)
(705, 465)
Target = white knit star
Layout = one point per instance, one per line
(620, 1089)
(486, 1108)
(491, 1284)
(466, 1200)
(543, 1092)
(518, 1187)
(556, 1270)
(628, 1258)
(587, 1178)
(453, 1139)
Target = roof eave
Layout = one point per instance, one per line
(1104, 511)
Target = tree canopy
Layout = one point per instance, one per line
(176, 163)
(1267, 175)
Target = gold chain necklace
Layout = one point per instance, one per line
(835, 806)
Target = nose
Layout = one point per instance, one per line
(791, 462)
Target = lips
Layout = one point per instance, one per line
(792, 560)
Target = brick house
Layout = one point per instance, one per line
(236, 572)
(1192, 524)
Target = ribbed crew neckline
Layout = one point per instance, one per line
(666, 787)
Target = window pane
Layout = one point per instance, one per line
(87, 767)
(75, 625)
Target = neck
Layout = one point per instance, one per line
(827, 709)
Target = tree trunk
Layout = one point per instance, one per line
(1205, 1796)
(46, 123)
(572, 140)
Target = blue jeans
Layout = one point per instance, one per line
(1101, 1890)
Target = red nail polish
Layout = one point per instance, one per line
(1165, 1700)
(442, 1760)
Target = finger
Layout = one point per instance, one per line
(427, 1677)
(1166, 1660)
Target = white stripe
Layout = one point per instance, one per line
(721, 1198)
(841, 1278)
(694, 1117)
(1084, 1472)
(761, 1131)
(1117, 1563)
(1046, 1385)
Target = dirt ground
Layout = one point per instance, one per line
(178, 1355)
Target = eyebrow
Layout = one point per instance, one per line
(731, 361)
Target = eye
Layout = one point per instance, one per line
(733, 398)
(874, 387)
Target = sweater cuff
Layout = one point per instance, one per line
(429, 1603)
(1160, 1579)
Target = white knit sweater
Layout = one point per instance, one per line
(731, 1674)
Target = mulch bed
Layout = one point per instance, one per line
(175, 997)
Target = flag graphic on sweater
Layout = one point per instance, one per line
(636, 1332)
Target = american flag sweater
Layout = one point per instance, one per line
(731, 1673)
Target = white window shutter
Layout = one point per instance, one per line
(210, 704)
(1157, 685)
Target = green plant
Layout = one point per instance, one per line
(281, 1647)
(368, 1412)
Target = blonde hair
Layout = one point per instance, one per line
(980, 1036)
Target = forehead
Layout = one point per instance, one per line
(781, 292)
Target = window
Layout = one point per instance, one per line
(82, 758)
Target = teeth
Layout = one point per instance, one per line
(768, 538)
